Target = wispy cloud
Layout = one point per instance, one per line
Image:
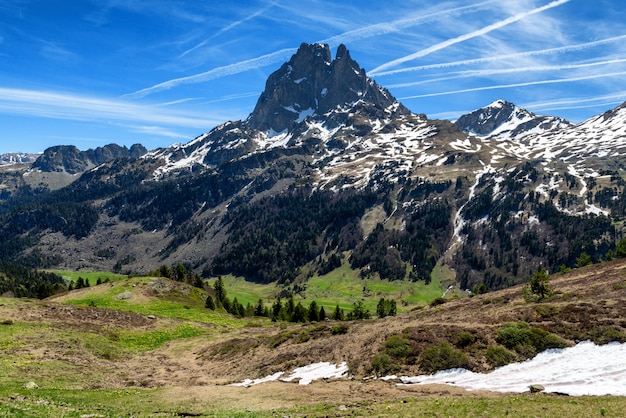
(579, 102)
(75, 107)
(489, 72)
(505, 57)
(278, 56)
(218, 72)
(156, 130)
(505, 86)
(400, 24)
(465, 37)
(227, 28)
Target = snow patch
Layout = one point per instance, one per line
(305, 375)
(585, 369)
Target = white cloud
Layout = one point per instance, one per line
(218, 72)
(76, 107)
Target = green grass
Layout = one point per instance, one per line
(342, 287)
(188, 305)
(19, 402)
(247, 292)
(150, 340)
(91, 276)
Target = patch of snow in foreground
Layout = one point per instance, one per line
(306, 374)
(585, 369)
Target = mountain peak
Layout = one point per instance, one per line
(312, 83)
(504, 120)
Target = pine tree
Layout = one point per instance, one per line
(338, 314)
(259, 309)
(322, 315)
(313, 312)
(220, 292)
(210, 303)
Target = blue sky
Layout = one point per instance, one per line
(156, 72)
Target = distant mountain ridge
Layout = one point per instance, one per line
(70, 159)
(13, 158)
(330, 166)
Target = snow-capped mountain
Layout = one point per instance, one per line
(17, 158)
(502, 120)
(330, 163)
(331, 107)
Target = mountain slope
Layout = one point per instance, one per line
(330, 164)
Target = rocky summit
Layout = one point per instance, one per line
(330, 169)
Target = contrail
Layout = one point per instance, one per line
(278, 56)
(218, 72)
(566, 48)
(226, 29)
(56, 105)
(504, 86)
(467, 36)
(473, 73)
(396, 25)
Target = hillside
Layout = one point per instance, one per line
(160, 340)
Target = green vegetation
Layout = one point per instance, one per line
(442, 357)
(538, 288)
(91, 276)
(498, 356)
(151, 296)
(157, 403)
(397, 347)
(527, 340)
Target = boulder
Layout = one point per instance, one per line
(536, 388)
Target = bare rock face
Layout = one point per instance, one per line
(70, 159)
(313, 84)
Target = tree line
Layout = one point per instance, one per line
(291, 311)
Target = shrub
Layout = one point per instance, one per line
(442, 357)
(397, 346)
(382, 365)
(464, 338)
(527, 340)
(438, 301)
(604, 334)
(339, 329)
(499, 356)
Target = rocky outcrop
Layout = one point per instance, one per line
(313, 84)
(70, 159)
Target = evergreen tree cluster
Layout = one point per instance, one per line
(387, 252)
(503, 246)
(179, 273)
(287, 311)
(272, 238)
(23, 281)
